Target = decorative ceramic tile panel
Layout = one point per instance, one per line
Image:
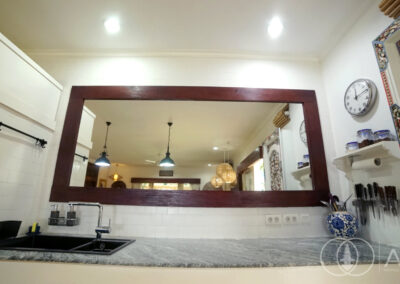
(383, 61)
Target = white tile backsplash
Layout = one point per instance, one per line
(182, 222)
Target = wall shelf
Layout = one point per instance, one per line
(300, 173)
(384, 149)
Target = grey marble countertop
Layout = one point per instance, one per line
(216, 253)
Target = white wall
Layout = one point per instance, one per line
(29, 100)
(83, 148)
(257, 137)
(25, 87)
(79, 166)
(351, 59)
(189, 71)
(293, 149)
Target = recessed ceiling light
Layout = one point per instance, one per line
(209, 165)
(215, 148)
(275, 27)
(112, 25)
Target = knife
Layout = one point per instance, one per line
(357, 202)
(378, 204)
(391, 196)
(360, 193)
(388, 195)
(371, 198)
(395, 201)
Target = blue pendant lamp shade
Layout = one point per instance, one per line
(103, 161)
(167, 161)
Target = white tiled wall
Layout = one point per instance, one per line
(179, 222)
(21, 168)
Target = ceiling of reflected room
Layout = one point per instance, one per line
(139, 131)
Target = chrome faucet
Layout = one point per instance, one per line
(99, 229)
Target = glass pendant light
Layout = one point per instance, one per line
(167, 161)
(102, 161)
(216, 182)
(226, 172)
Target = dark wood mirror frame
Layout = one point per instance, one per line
(62, 192)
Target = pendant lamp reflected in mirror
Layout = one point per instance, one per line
(224, 167)
(116, 176)
(226, 173)
(167, 161)
(229, 176)
(216, 182)
(103, 161)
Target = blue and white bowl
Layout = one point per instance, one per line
(342, 224)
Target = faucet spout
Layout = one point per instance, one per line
(99, 229)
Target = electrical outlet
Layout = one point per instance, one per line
(286, 219)
(277, 219)
(273, 219)
(291, 219)
(295, 219)
(305, 218)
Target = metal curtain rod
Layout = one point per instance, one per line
(39, 141)
(83, 157)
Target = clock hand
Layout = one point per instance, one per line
(363, 92)
(355, 93)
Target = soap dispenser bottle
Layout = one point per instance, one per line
(71, 216)
(54, 215)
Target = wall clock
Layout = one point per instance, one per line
(360, 97)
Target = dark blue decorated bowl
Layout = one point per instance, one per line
(342, 224)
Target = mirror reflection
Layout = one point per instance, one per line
(392, 72)
(192, 145)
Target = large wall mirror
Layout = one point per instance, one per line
(191, 146)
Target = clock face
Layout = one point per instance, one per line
(360, 97)
(302, 132)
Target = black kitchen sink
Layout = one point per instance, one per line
(49, 243)
(108, 246)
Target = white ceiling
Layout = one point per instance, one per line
(139, 129)
(236, 26)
